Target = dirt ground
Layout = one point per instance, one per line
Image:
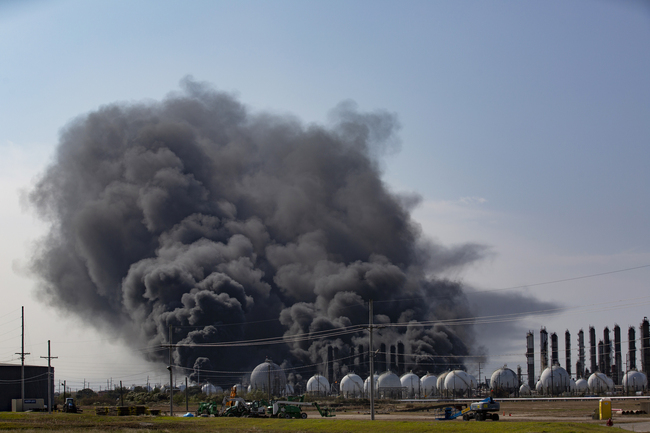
(511, 411)
(545, 411)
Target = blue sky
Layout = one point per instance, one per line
(524, 125)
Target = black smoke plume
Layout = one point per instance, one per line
(226, 225)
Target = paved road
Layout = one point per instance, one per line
(635, 426)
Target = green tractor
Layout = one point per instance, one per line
(207, 409)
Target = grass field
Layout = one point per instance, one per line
(86, 422)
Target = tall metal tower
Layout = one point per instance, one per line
(530, 358)
(567, 351)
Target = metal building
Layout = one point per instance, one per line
(35, 384)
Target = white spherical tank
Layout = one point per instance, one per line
(524, 389)
(269, 372)
(411, 383)
(458, 381)
(351, 386)
(504, 379)
(582, 386)
(538, 387)
(389, 385)
(429, 385)
(634, 381)
(318, 384)
(388, 380)
(555, 380)
(210, 389)
(598, 383)
(440, 383)
(366, 385)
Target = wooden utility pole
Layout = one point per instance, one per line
(49, 377)
(171, 375)
(372, 365)
(22, 362)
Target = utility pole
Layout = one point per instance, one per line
(22, 362)
(372, 365)
(171, 375)
(270, 364)
(49, 377)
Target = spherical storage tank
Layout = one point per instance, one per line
(598, 382)
(209, 389)
(266, 372)
(411, 383)
(440, 383)
(505, 379)
(366, 385)
(581, 386)
(429, 384)
(459, 381)
(634, 381)
(555, 380)
(389, 385)
(351, 385)
(524, 389)
(318, 384)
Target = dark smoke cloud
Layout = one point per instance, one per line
(226, 225)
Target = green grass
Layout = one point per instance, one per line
(35, 422)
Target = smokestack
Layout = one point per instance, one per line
(336, 365)
(618, 359)
(592, 349)
(330, 364)
(393, 358)
(555, 359)
(567, 351)
(601, 357)
(530, 358)
(631, 342)
(198, 214)
(645, 346)
(543, 345)
(581, 355)
(607, 351)
(400, 358)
